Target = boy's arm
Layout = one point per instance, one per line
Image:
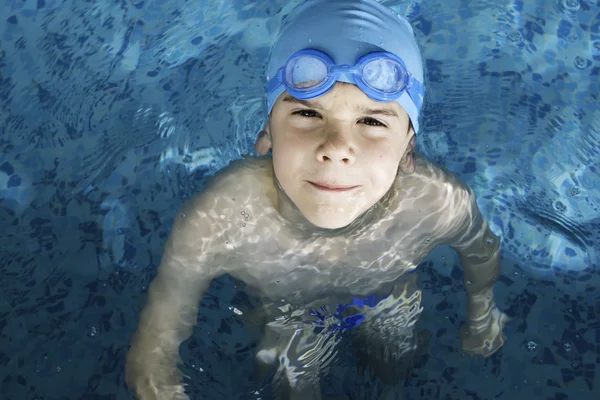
(186, 270)
(478, 250)
(479, 254)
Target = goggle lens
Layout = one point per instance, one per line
(305, 71)
(384, 75)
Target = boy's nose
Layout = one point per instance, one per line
(336, 148)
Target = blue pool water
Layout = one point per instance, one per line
(112, 113)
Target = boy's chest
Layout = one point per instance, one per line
(278, 268)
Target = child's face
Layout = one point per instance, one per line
(335, 141)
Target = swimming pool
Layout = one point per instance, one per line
(113, 113)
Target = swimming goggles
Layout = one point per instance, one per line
(381, 75)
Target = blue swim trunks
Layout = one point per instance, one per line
(305, 342)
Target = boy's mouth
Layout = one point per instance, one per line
(332, 187)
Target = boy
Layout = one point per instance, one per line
(326, 230)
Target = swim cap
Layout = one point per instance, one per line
(346, 30)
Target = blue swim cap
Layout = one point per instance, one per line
(346, 30)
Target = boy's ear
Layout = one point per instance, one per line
(407, 163)
(411, 132)
(263, 142)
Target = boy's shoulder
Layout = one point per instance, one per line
(245, 180)
(436, 177)
(245, 184)
(433, 201)
(432, 187)
(249, 175)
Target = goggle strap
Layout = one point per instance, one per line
(416, 91)
(275, 81)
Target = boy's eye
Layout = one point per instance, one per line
(312, 113)
(372, 122)
(306, 113)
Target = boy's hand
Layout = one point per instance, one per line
(484, 336)
(152, 383)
